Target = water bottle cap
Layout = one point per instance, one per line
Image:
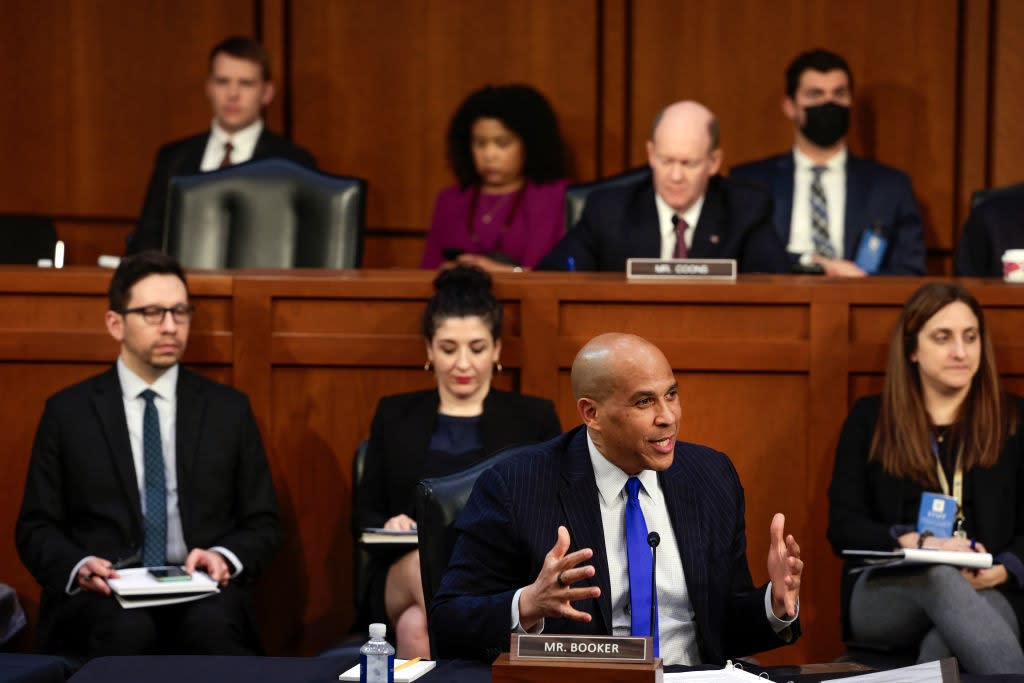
(378, 630)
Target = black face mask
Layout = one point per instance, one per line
(826, 123)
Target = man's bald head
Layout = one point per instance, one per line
(691, 116)
(683, 153)
(627, 397)
(600, 364)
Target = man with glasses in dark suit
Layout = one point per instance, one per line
(147, 464)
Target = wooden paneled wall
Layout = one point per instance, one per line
(91, 89)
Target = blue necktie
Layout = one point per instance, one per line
(638, 552)
(154, 542)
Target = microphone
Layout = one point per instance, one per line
(653, 539)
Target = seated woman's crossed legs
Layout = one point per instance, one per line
(403, 600)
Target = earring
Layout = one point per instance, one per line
(497, 366)
(427, 365)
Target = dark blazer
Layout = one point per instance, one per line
(182, 157)
(994, 226)
(509, 523)
(865, 502)
(622, 222)
(82, 496)
(400, 435)
(877, 197)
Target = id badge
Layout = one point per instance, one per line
(937, 514)
(871, 251)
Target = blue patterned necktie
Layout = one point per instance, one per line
(638, 553)
(154, 546)
(819, 216)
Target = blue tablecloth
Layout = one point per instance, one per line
(18, 668)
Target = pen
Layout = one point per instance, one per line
(407, 663)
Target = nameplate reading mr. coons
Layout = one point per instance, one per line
(681, 269)
(581, 648)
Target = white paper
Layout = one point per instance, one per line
(138, 581)
(160, 602)
(406, 675)
(918, 673)
(908, 556)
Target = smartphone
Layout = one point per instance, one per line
(169, 574)
(452, 253)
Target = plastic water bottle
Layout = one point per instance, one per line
(377, 658)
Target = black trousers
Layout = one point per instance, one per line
(94, 625)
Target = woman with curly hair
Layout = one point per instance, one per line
(507, 210)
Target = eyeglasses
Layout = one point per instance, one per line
(154, 315)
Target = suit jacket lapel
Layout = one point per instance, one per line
(707, 236)
(191, 157)
(856, 219)
(494, 423)
(782, 192)
(191, 408)
(421, 421)
(643, 238)
(109, 406)
(580, 502)
(690, 529)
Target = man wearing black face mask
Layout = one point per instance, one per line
(850, 216)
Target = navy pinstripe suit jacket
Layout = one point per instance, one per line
(510, 522)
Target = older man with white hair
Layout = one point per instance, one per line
(684, 210)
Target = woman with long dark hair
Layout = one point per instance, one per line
(942, 425)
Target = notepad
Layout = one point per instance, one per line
(406, 675)
(373, 536)
(135, 588)
(909, 556)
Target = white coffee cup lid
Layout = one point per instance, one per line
(1013, 255)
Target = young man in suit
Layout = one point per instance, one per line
(596, 492)
(238, 87)
(828, 202)
(683, 210)
(147, 464)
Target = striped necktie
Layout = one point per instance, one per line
(819, 216)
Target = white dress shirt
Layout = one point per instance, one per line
(677, 629)
(668, 229)
(243, 144)
(833, 182)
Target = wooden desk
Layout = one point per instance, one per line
(767, 367)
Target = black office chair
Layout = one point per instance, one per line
(576, 195)
(979, 197)
(271, 213)
(26, 239)
(438, 503)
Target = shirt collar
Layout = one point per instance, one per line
(665, 212)
(611, 480)
(166, 387)
(247, 137)
(804, 163)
